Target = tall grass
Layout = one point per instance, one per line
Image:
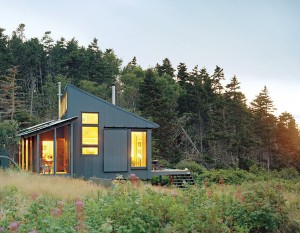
(63, 188)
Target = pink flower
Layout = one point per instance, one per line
(174, 194)
(34, 196)
(79, 205)
(56, 212)
(14, 226)
(1, 229)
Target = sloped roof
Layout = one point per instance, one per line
(152, 124)
(45, 126)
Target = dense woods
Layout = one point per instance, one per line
(200, 118)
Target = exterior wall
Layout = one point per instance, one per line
(109, 117)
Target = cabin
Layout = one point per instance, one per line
(92, 138)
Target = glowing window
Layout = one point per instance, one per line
(89, 118)
(63, 105)
(138, 149)
(90, 133)
(47, 151)
(89, 150)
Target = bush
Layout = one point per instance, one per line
(165, 180)
(289, 173)
(230, 176)
(262, 208)
(192, 166)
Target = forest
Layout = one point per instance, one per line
(201, 119)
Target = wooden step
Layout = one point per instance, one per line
(179, 180)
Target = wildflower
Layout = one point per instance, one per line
(239, 196)
(134, 179)
(221, 181)
(209, 193)
(175, 194)
(56, 212)
(34, 196)
(1, 229)
(32, 231)
(79, 205)
(61, 206)
(13, 227)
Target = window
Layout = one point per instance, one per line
(138, 149)
(63, 105)
(90, 133)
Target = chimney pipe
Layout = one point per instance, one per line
(59, 96)
(113, 94)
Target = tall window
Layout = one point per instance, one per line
(90, 133)
(138, 149)
(63, 105)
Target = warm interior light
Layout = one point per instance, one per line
(89, 118)
(89, 150)
(138, 149)
(47, 151)
(89, 135)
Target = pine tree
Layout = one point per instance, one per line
(264, 125)
(217, 77)
(182, 75)
(10, 103)
(165, 68)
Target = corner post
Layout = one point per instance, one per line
(38, 153)
(54, 152)
(71, 150)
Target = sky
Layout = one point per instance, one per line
(257, 40)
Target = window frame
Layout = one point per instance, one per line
(89, 145)
(146, 143)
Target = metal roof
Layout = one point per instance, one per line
(154, 125)
(46, 126)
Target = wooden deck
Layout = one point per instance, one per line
(166, 172)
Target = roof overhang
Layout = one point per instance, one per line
(44, 127)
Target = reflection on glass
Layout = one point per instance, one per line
(89, 118)
(89, 150)
(89, 135)
(138, 149)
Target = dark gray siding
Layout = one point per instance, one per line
(109, 117)
(115, 150)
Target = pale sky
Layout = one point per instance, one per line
(257, 40)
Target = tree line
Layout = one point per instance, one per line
(200, 119)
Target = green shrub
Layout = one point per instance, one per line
(192, 166)
(261, 209)
(229, 176)
(289, 173)
(165, 180)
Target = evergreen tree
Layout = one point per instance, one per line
(182, 75)
(9, 96)
(165, 68)
(217, 77)
(264, 125)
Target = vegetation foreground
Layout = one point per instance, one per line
(33, 203)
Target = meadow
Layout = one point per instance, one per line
(220, 201)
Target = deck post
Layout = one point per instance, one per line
(71, 150)
(38, 153)
(54, 152)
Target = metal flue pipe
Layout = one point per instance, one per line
(59, 96)
(113, 94)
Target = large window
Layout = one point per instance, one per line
(90, 133)
(138, 149)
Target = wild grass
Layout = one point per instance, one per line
(60, 204)
(63, 188)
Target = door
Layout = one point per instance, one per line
(115, 150)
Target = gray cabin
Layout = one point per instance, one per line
(92, 138)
